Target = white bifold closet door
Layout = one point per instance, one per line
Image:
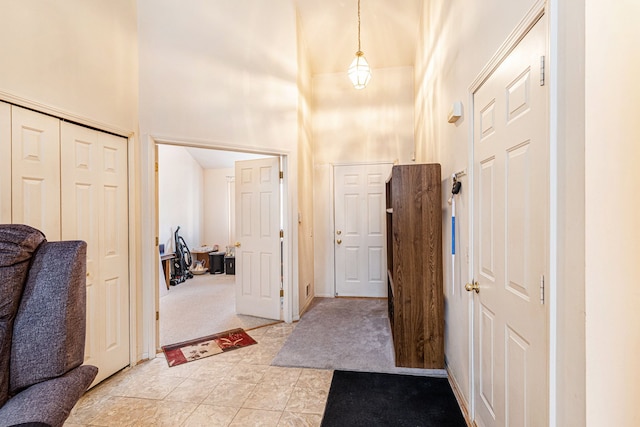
(94, 209)
(71, 183)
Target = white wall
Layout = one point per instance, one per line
(612, 223)
(219, 71)
(355, 126)
(180, 196)
(216, 205)
(220, 74)
(305, 178)
(74, 56)
(457, 39)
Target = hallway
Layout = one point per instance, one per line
(237, 388)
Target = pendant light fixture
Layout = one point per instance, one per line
(359, 70)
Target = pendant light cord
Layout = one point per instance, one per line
(359, 50)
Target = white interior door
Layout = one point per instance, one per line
(258, 260)
(5, 163)
(35, 152)
(95, 209)
(511, 207)
(360, 230)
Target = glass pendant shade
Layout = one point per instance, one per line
(359, 71)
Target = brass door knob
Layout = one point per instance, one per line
(237, 245)
(473, 286)
(338, 241)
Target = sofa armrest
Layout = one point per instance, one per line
(49, 402)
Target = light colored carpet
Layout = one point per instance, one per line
(201, 306)
(351, 334)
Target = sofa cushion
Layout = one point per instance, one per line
(17, 245)
(49, 329)
(49, 402)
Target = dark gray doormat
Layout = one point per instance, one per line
(374, 399)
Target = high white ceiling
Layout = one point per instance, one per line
(389, 32)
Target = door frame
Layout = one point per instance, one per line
(539, 10)
(332, 216)
(150, 262)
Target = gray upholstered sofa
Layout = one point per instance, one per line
(42, 327)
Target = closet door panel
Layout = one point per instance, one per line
(94, 195)
(35, 154)
(114, 251)
(5, 163)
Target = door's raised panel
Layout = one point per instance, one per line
(487, 337)
(518, 199)
(516, 378)
(34, 201)
(246, 263)
(266, 173)
(518, 95)
(83, 155)
(111, 242)
(266, 263)
(246, 176)
(266, 229)
(375, 179)
(352, 263)
(113, 324)
(110, 160)
(32, 145)
(487, 120)
(376, 263)
(352, 219)
(246, 213)
(84, 222)
(351, 180)
(486, 219)
(375, 210)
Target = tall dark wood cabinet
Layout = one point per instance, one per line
(414, 259)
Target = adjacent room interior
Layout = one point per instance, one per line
(196, 192)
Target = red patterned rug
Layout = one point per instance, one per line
(188, 351)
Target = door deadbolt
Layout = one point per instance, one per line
(339, 232)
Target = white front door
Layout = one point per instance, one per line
(95, 209)
(511, 204)
(35, 199)
(258, 260)
(360, 230)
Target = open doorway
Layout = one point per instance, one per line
(196, 192)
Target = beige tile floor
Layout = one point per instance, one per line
(237, 388)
